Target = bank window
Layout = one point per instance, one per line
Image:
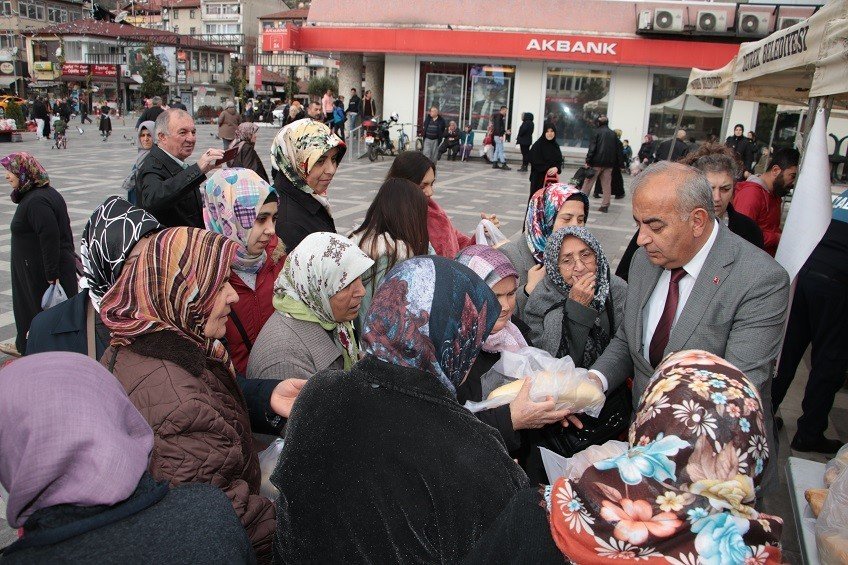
(574, 98)
(667, 90)
(31, 9)
(6, 8)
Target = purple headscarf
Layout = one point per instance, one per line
(68, 435)
(493, 266)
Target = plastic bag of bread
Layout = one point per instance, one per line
(559, 379)
(832, 523)
(267, 462)
(836, 465)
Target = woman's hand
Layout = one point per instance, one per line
(492, 218)
(528, 415)
(284, 395)
(553, 171)
(534, 277)
(583, 290)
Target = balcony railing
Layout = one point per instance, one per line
(225, 17)
(106, 59)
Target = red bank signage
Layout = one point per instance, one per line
(275, 39)
(635, 51)
(84, 69)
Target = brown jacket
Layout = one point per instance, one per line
(200, 424)
(228, 121)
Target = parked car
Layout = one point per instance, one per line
(4, 99)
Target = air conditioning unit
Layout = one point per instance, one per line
(783, 23)
(711, 22)
(666, 19)
(752, 24)
(646, 20)
(216, 77)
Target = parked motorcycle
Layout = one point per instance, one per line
(377, 139)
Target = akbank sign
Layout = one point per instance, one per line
(569, 46)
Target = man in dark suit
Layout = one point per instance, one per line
(694, 285)
(677, 145)
(603, 155)
(167, 186)
(151, 114)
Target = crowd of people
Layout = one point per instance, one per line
(218, 309)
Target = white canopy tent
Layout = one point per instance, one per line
(599, 104)
(690, 105)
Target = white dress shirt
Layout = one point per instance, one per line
(652, 312)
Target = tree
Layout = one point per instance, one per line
(154, 75)
(237, 79)
(319, 85)
(14, 112)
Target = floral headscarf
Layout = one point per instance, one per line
(320, 266)
(232, 199)
(683, 491)
(114, 228)
(29, 171)
(299, 145)
(542, 212)
(431, 314)
(244, 133)
(171, 286)
(598, 338)
(493, 266)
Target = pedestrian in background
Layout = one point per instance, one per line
(42, 243)
(228, 121)
(466, 143)
(327, 106)
(369, 107)
(743, 148)
(524, 139)
(500, 134)
(434, 131)
(603, 156)
(247, 157)
(105, 122)
(353, 109)
(545, 159)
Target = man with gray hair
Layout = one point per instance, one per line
(152, 113)
(694, 285)
(677, 145)
(167, 186)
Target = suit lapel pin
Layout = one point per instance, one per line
(716, 280)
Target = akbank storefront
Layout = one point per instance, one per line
(568, 80)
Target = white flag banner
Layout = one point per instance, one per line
(812, 205)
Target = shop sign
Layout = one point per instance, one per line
(568, 46)
(104, 70)
(84, 69)
(7, 68)
(42, 66)
(274, 39)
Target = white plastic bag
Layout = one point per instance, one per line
(54, 295)
(572, 468)
(267, 463)
(836, 465)
(488, 234)
(832, 523)
(558, 378)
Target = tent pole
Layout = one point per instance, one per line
(773, 133)
(677, 127)
(728, 107)
(808, 124)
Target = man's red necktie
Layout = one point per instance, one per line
(663, 331)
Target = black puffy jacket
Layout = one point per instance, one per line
(525, 131)
(603, 149)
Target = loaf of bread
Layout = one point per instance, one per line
(815, 498)
(834, 547)
(585, 394)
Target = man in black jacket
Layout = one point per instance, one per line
(603, 155)
(167, 186)
(151, 114)
(353, 109)
(499, 134)
(434, 131)
(678, 151)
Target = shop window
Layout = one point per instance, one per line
(574, 98)
(31, 9)
(6, 8)
(666, 88)
(466, 94)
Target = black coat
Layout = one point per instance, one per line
(738, 223)
(249, 159)
(544, 154)
(149, 115)
(170, 192)
(300, 214)
(525, 130)
(603, 148)
(441, 126)
(63, 328)
(382, 465)
(680, 150)
(746, 151)
(646, 151)
(499, 418)
(42, 249)
(192, 523)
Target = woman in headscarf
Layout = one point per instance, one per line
(551, 208)
(545, 159)
(316, 297)
(80, 490)
(394, 229)
(242, 207)
(146, 140)
(42, 243)
(578, 306)
(167, 314)
(247, 157)
(305, 157)
(115, 233)
(682, 493)
(381, 464)
(446, 240)
(508, 334)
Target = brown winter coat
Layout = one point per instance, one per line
(200, 424)
(228, 121)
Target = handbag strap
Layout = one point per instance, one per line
(89, 331)
(242, 332)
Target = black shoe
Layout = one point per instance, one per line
(506, 167)
(778, 423)
(619, 197)
(820, 445)
(603, 209)
(522, 170)
(495, 166)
